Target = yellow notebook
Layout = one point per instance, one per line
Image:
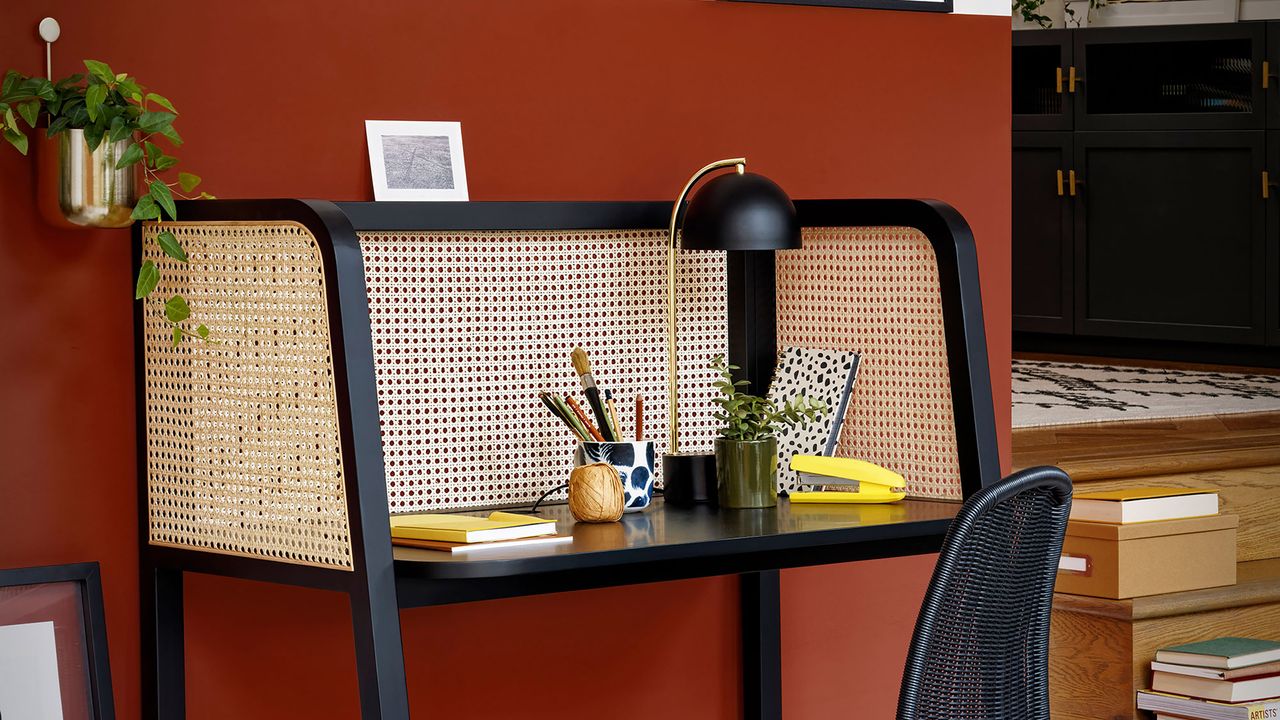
(1139, 493)
(468, 528)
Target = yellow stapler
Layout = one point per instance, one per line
(874, 483)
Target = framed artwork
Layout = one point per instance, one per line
(53, 644)
(942, 6)
(416, 160)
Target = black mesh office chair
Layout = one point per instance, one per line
(981, 645)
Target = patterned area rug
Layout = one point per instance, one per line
(1054, 393)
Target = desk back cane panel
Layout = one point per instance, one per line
(468, 326)
(242, 434)
(876, 291)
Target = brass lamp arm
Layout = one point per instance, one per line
(672, 365)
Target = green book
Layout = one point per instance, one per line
(1226, 653)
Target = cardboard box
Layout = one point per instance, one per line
(1125, 561)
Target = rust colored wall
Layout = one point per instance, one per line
(559, 99)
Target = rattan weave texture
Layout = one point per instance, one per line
(467, 328)
(243, 450)
(875, 291)
(981, 645)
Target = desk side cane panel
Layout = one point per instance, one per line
(875, 290)
(468, 326)
(243, 455)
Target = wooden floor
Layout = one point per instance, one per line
(1151, 447)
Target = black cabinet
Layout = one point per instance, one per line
(1171, 77)
(1167, 226)
(1170, 236)
(1043, 254)
(1043, 80)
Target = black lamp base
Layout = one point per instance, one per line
(689, 478)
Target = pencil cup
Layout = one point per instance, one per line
(634, 463)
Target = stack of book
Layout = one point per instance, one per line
(1147, 541)
(463, 533)
(1220, 679)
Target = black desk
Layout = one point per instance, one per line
(674, 543)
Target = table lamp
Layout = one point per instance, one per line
(734, 211)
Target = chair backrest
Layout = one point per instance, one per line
(981, 645)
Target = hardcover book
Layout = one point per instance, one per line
(1146, 504)
(1226, 653)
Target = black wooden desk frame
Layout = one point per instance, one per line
(378, 586)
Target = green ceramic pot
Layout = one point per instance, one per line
(747, 472)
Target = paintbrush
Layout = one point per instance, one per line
(613, 416)
(582, 366)
(582, 418)
(546, 400)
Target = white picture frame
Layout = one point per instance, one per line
(416, 160)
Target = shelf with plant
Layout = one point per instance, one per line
(109, 107)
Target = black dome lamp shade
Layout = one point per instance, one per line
(735, 211)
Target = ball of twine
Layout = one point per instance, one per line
(595, 493)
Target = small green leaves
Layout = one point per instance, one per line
(188, 181)
(177, 335)
(162, 101)
(155, 122)
(164, 198)
(171, 247)
(203, 332)
(130, 156)
(146, 209)
(176, 309)
(148, 278)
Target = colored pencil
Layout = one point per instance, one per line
(639, 418)
(579, 429)
(582, 418)
(546, 400)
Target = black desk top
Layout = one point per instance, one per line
(785, 536)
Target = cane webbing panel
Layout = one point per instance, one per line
(243, 452)
(875, 291)
(468, 327)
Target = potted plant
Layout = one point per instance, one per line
(747, 446)
(106, 127)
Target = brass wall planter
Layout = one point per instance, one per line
(83, 188)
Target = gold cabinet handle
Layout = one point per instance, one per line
(1266, 74)
(1071, 79)
(1060, 192)
(1266, 185)
(1057, 83)
(1072, 181)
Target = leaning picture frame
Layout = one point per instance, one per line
(416, 160)
(53, 644)
(941, 6)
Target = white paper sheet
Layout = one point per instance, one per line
(29, 687)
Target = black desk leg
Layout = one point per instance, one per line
(375, 615)
(164, 679)
(761, 645)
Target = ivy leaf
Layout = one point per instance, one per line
(58, 126)
(148, 278)
(93, 135)
(188, 181)
(93, 98)
(163, 197)
(155, 122)
(11, 79)
(30, 111)
(207, 196)
(203, 332)
(176, 309)
(171, 247)
(177, 334)
(100, 70)
(164, 162)
(119, 130)
(16, 139)
(162, 101)
(146, 209)
(129, 89)
(173, 136)
(130, 156)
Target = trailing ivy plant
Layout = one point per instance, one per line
(750, 417)
(110, 107)
(1030, 11)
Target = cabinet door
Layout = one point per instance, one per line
(1042, 252)
(1171, 77)
(1041, 87)
(1170, 236)
(1272, 280)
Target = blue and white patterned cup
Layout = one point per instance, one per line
(634, 463)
